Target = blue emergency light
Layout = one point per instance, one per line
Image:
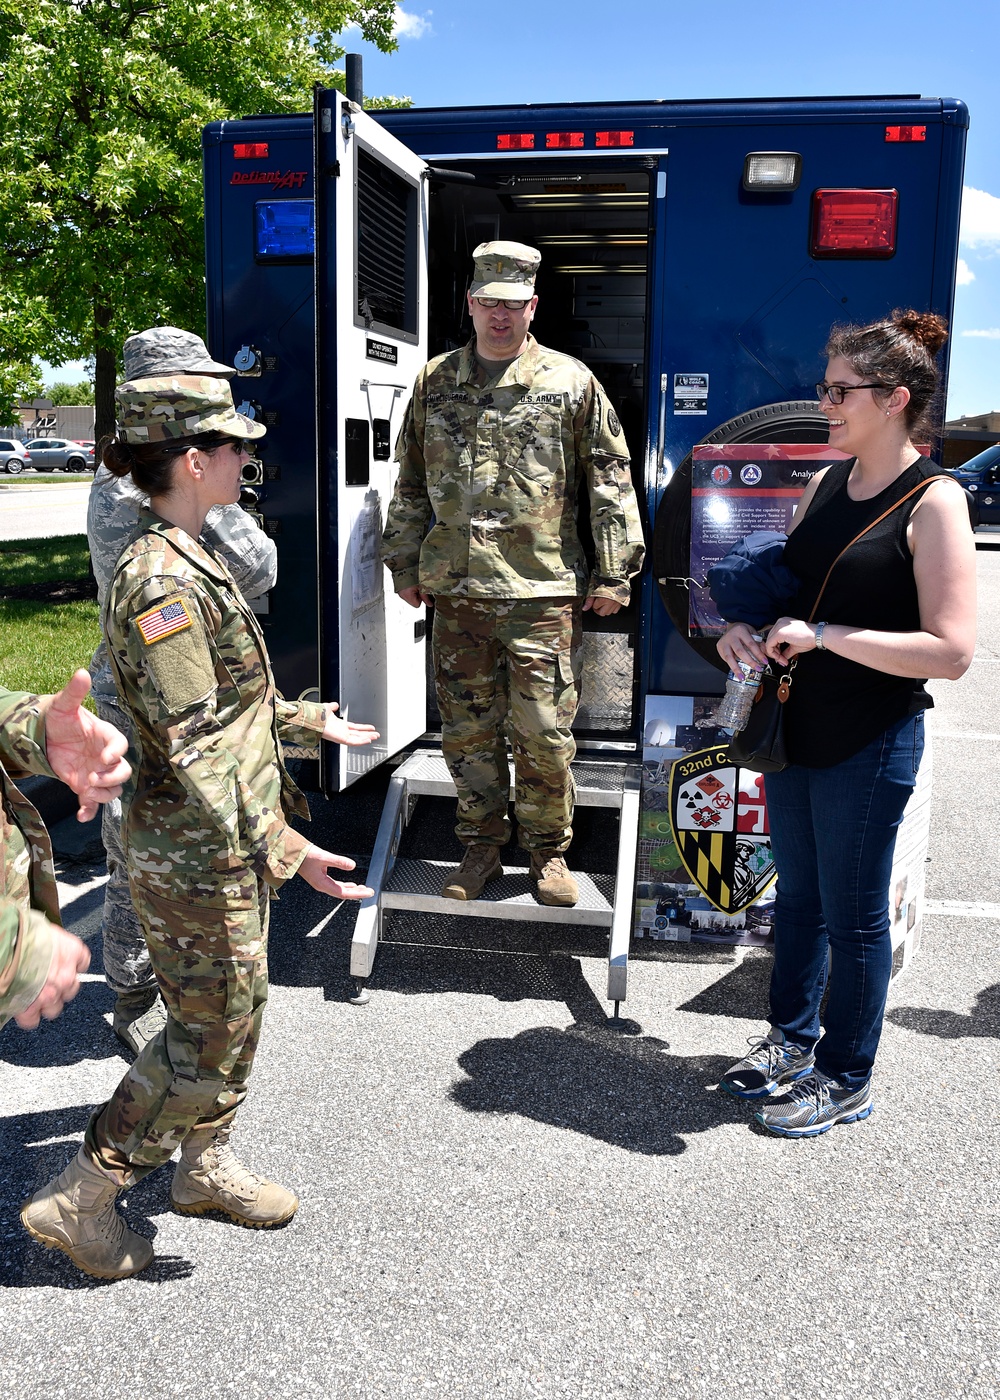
(284, 229)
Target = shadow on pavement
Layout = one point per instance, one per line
(80, 1033)
(35, 1146)
(625, 1091)
(983, 1020)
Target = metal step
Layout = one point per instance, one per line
(597, 784)
(416, 884)
(605, 901)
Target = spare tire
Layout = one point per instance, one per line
(798, 420)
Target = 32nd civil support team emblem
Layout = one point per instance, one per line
(718, 816)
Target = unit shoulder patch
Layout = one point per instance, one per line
(164, 620)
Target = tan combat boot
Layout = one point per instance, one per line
(76, 1213)
(210, 1176)
(555, 884)
(480, 864)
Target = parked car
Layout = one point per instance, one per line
(60, 455)
(980, 475)
(14, 456)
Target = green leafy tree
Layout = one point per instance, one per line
(24, 328)
(70, 395)
(102, 103)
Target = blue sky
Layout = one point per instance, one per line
(451, 52)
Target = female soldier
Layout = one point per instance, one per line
(206, 833)
(899, 606)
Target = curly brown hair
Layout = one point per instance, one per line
(897, 353)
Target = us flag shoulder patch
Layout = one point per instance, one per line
(164, 620)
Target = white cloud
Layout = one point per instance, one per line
(980, 218)
(405, 26)
(965, 274)
(992, 334)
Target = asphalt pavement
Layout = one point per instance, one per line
(504, 1195)
(42, 510)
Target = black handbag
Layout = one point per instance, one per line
(760, 744)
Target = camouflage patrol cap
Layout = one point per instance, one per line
(505, 270)
(169, 350)
(179, 406)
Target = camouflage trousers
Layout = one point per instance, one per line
(210, 959)
(126, 958)
(508, 669)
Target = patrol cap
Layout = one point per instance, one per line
(169, 350)
(505, 270)
(179, 406)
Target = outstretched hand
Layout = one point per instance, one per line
(345, 731)
(314, 870)
(85, 752)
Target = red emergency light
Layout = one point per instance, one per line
(853, 223)
(563, 140)
(906, 133)
(250, 150)
(516, 141)
(615, 138)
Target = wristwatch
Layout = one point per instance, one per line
(820, 627)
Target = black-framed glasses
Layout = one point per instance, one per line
(835, 392)
(489, 302)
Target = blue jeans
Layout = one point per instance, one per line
(833, 831)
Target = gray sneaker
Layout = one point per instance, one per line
(772, 1062)
(813, 1105)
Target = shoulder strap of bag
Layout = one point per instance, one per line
(861, 533)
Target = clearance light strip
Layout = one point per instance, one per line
(906, 133)
(253, 150)
(440, 157)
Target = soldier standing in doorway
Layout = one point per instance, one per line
(498, 439)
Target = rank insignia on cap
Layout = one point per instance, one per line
(164, 621)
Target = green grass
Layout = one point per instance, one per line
(43, 561)
(41, 645)
(45, 477)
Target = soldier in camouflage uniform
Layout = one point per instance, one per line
(206, 833)
(54, 736)
(112, 521)
(497, 441)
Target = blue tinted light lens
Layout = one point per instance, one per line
(284, 228)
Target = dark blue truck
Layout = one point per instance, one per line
(695, 255)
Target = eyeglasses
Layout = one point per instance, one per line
(239, 446)
(489, 302)
(835, 392)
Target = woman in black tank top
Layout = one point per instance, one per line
(899, 607)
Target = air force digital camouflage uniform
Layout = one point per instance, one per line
(29, 905)
(112, 522)
(498, 464)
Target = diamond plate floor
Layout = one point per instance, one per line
(415, 884)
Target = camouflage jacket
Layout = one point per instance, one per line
(192, 672)
(498, 464)
(28, 898)
(113, 521)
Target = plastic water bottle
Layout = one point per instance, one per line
(741, 692)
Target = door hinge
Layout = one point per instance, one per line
(332, 171)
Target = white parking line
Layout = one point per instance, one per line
(964, 909)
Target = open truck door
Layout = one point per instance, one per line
(371, 340)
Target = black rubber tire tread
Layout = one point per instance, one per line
(796, 420)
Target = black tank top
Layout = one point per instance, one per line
(837, 706)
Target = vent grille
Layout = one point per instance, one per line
(386, 208)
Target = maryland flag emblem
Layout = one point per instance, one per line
(719, 820)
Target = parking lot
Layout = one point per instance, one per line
(504, 1195)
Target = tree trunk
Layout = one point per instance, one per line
(105, 374)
